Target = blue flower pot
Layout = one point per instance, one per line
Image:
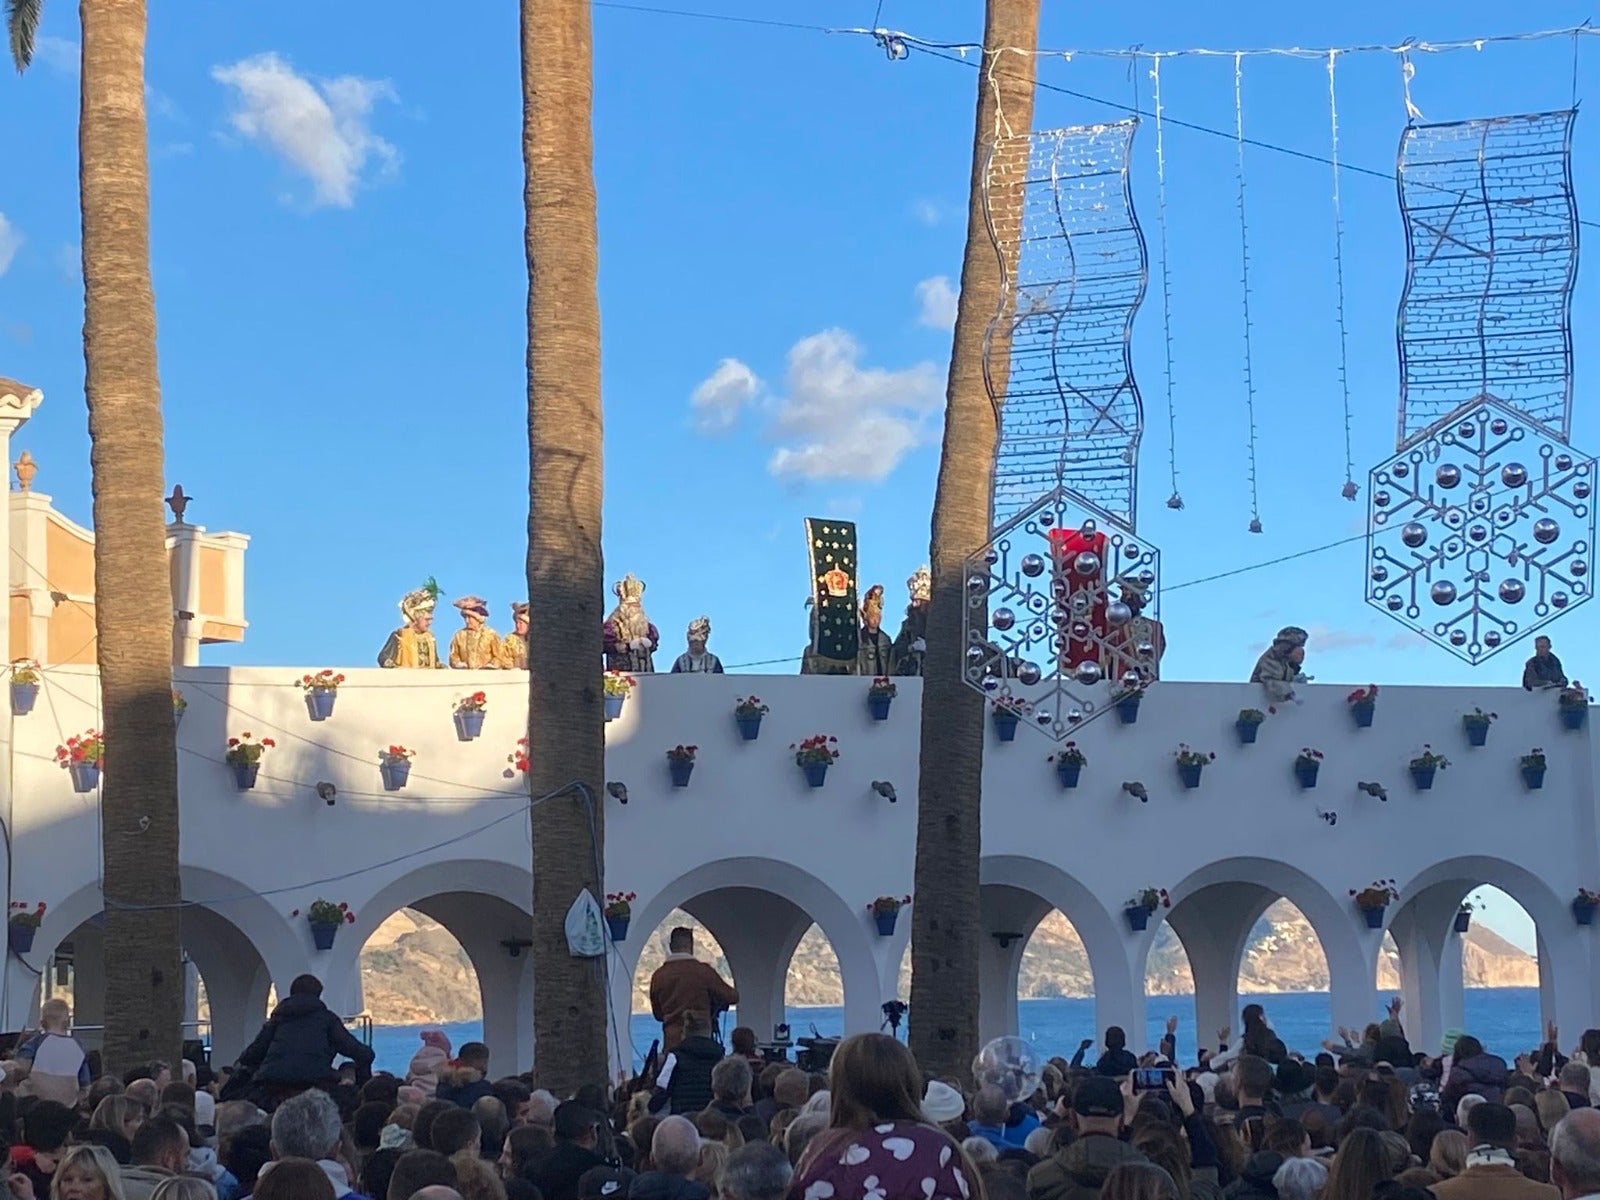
(23, 697)
(1463, 922)
(1362, 714)
(319, 703)
(1305, 773)
(749, 727)
(1128, 710)
(1005, 725)
(816, 773)
(1068, 773)
(878, 706)
(886, 921)
(614, 707)
(618, 927)
(85, 776)
(469, 725)
(244, 774)
(1374, 917)
(1138, 917)
(1247, 731)
(1189, 774)
(1572, 715)
(1423, 777)
(1533, 778)
(1582, 913)
(1477, 732)
(20, 937)
(680, 771)
(395, 774)
(323, 933)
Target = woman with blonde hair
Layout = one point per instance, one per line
(1448, 1157)
(876, 1130)
(713, 1158)
(184, 1187)
(86, 1173)
(1361, 1164)
(118, 1114)
(1550, 1106)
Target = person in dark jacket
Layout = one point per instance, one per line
(1117, 1059)
(1077, 1171)
(1255, 1177)
(577, 1132)
(683, 1085)
(297, 1046)
(465, 1081)
(674, 1152)
(1472, 1070)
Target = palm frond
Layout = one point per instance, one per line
(22, 24)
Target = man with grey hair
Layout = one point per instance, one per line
(730, 1086)
(540, 1109)
(800, 1132)
(308, 1126)
(1575, 1155)
(757, 1171)
(1300, 1179)
(675, 1151)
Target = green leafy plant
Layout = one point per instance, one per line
(1428, 761)
(242, 751)
(1478, 717)
(882, 685)
(26, 917)
(1533, 760)
(885, 906)
(1150, 899)
(816, 749)
(1250, 716)
(1379, 894)
(750, 707)
(326, 912)
(1069, 755)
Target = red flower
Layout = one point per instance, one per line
(232, 742)
(349, 916)
(265, 741)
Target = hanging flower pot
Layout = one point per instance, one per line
(1572, 717)
(1584, 905)
(1363, 703)
(323, 933)
(1374, 900)
(881, 691)
(81, 757)
(179, 707)
(1463, 921)
(394, 765)
(1425, 766)
(469, 714)
(680, 764)
(618, 913)
(618, 928)
(1422, 777)
(85, 776)
(1374, 917)
(816, 773)
(20, 937)
(1532, 765)
(616, 687)
(1127, 706)
(1189, 774)
(886, 923)
(814, 756)
(885, 912)
(1190, 764)
(1068, 773)
(1476, 724)
(747, 716)
(1005, 724)
(1305, 773)
(614, 707)
(244, 774)
(23, 697)
(1138, 910)
(325, 917)
(1248, 725)
(1069, 762)
(321, 690)
(1138, 917)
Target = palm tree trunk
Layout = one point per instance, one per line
(133, 592)
(566, 739)
(945, 933)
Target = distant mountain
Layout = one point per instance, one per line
(413, 971)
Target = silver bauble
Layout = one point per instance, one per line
(1074, 715)
(1400, 470)
(1467, 429)
(1131, 551)
(1498, 426)
(1545, 531)
(1458, 637)
(1563, 462)
(1032, 565)
(977, 585)
(1146, 649)
(1558, 599)
(991, 557)
(1581, 490)
(1131, 679)
(1087, 673)
(1088, 528)
(1513, 474)
(1491, 639)
(1394, 603)
(1381, 499)
(1080, 604)
(1080, 630)
(1002, 619)
(1379, 574)
(1028, 673)
(1087, 563)
(1579, 568)
(975, 655)
(1447, 475)
(1047, 519)
(1512, 591)
(1443, 592)
(991, 684)
(1413, 534)
(1477, 533)
(1118, 613)
(1147, 577)
(1042, 715)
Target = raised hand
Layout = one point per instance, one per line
(1172, 1026)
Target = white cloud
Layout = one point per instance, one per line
(927, 212)
(59, 54)
(69, 260)
(938, 301)
(10, 243)
(719, 398)
(321, 130)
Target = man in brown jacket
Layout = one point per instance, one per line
(684, 983)
(1492, 1172)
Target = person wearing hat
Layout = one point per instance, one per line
(697, 660)
(475, 647)
(1137, 632)
(1281, 663)
(874, 652)
(1077, 1171)
(605, 1183)
(412, 645)
(911, 643)
(629, 639)
(514, 646)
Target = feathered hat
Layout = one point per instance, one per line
(519, 608)
(920, 585)
(700, 629)
(414, 603)
(873, 601)
(473, 604)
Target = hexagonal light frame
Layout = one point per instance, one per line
(1487, 519)
(1062, 618)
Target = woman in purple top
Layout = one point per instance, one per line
(877, 1145)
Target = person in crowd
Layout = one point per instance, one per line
(989, 1112)
(1117, 1060)
(683, 984)
(476, 1179)
(466, 1080)
(84, 1173)
(541, 1110)
(160, 1150)
(1281, 663)
(577, 1136)
(1361, 1163)
(757, 1171)
(297, 1046)
(730, 1087)
(875, 1130)
(1078, 1170)
(789, 1091)
(1137, 1181)
(683, 1085)
(708, 1171)
(245, 1152)
(437, 1191)
(606, 1183)
(308, 1126)
(417, 1170)
(456, 1131)
(743, 1043)
(184, 1187)
(1575, 1155)
(1491, 1172)
(674, 1158)
(1550, 1107)
(1574, 1084)
(1473, 1072)
(801, 1133)
(121, 1115)
(1544, 669)
(294, 1179)
(492, 1120)
(51, 1064)
(429, 1061)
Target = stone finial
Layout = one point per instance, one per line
(178, 502)
(25, 469)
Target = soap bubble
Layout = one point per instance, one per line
(1010, 1064)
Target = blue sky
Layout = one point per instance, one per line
(340, 286)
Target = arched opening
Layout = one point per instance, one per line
(1285, 970)
(1055, 984)
(415, 975)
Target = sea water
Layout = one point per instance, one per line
(1505, 1020)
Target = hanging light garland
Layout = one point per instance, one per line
(1350, 490)
(1244, 261)
(1174, 501)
